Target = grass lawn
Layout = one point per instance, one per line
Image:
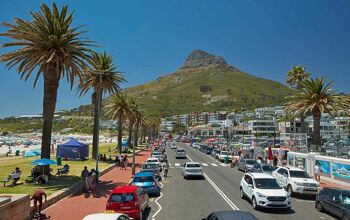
(8, 165)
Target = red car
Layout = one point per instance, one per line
(129, 200)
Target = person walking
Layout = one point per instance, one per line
(85, 174)
(38, 198)
(91, 182)
(125, 161)
(317, 172)
(166, 169)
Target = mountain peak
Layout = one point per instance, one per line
(202, 59)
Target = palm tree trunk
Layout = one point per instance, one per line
(130, 145)
(136, 132)
(316, 125)
(51, 83)
(95, 132)
(133, 153)
(120, 133)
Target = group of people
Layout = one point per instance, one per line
(103, 157)
(90, 180)
(122, 161)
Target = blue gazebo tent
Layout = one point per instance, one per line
(73, 149)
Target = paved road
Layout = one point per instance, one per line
(195, 199)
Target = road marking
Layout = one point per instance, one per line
(222, 164)
(160, 207)
(204, 164)
(169, 164)
(214, 164)
(222, 194)
(177, 164)
(171, 167)
(322, 217)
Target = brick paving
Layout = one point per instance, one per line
(78, 205)
(325, 183)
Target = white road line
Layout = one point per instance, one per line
(214, 164)
(222, 164)
(228, 201)
(204, 164)
(177, 164)
(169, 164)
(156, 201)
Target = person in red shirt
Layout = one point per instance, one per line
(38, 198)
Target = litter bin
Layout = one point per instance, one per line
(17, 152)
(226, 159)
(59, 161)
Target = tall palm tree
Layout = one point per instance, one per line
(51, 47)
(101, 76)
(295, 77)
(117, 108)
(132, 119)
(316, 96)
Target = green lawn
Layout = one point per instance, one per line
(8, 164)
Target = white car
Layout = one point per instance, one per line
(153, 160)
(180, 153)
(159, 155)
(107, 216)
(173, 146)
(264, 191)
(192, 169)
(296, 180)
(223, 155)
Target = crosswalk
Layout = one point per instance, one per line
(178, 165)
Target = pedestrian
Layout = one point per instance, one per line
(317, 172)
(91, 182)
(38, 198)
(85, 174)
(121, 161)
(275, 160)
(125, 160)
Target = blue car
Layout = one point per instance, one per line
(209, 150)
(148, 182)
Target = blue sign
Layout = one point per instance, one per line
(341, 170)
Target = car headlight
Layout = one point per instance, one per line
(261, 195)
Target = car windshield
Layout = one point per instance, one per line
(224, 152)
(298, 174)
(143, 179)
(180, 150)
(149, 166)
(346, 199)
(250, 162)
(156, 153)
(124, 197)
(152, 160)
(193, 165)
(267, 183)
(267, 168)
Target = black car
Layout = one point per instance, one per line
(334, 201)
(230, 215)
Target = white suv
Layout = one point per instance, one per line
(296, 180)
(223, 155)
(264, 191)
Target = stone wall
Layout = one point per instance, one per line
(17, 209)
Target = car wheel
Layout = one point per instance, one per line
(290, 190)
(241, 193)
(319, 207)
(255, 205)
(345, 217)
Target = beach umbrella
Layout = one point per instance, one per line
(269, 153)
(43, 162)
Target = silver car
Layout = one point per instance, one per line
(192, 169)
(246, 165)
(180, 153)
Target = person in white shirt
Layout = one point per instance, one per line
(317, 172)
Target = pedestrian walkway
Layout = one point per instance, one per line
(76, 206)
(329, 184)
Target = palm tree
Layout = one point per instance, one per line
(117, 108)
(295, 77)
(101, 76)
(315, 97)
(134, 121)
(51, 47)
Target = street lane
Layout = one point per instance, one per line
(186, 199)
(228, 180)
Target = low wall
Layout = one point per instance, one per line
(17, 209)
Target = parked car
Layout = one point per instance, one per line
(192, 169)
(263, 190)
(148, 181)
(217, 154)
(215, 151)
(180, 153)
(263, 168)
(230, 215)
(296, 180)
(159, 155)
(107, 216)
(151, 167)
(209, 150)
(223, 155)
(129, 200)
(334, 201)
(246, 164)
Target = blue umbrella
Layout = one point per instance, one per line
(43, 162)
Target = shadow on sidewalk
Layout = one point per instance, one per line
(104, 189)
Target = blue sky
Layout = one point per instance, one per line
(152, 38)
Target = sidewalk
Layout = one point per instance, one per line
(78, 205)
(329, 184)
